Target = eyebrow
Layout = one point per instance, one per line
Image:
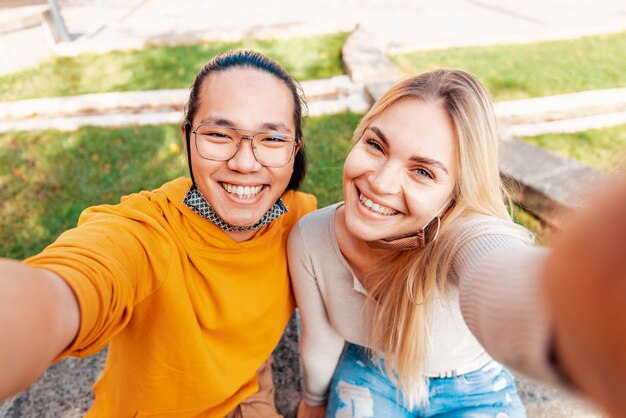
(267, 126)
(415, 158)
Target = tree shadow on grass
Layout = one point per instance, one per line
(48, 177)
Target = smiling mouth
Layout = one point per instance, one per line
(242, 192)
(376, 208)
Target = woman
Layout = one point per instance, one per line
(382, 272)
(187, 284)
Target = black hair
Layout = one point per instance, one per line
(250, 59)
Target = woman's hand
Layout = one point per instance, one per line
(585, 279)
(307, 411)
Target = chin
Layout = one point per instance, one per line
(363, 231)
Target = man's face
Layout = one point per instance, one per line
(241, 190)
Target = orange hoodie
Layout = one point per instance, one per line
(190, 314)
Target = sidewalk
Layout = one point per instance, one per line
(402, 25)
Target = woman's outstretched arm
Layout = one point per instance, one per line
(39, 318)
(585, 283)
(557, 314)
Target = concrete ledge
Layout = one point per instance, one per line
(561, 106)
(549, 186)
(118, 102)
(72, 123)
(376, 90)
(150, 100)
(364, 57)
(578, 124)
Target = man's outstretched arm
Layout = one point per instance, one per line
(39, 318)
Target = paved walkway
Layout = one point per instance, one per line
(401, 25)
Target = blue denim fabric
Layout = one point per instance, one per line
(359, 389)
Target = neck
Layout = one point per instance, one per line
(361, 257)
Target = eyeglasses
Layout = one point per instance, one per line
(220, 143)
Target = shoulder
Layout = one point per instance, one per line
(315, 228)
(478, 237)
(143, 208)
(484, 227)
(318, 221)
(299, 203)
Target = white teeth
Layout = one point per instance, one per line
(375, 207)
(242, 192)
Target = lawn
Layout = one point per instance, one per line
(165, 67)
(604, 149)
(533, 70)
(48, 177)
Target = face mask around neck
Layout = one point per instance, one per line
(413, 240)
(198, 203)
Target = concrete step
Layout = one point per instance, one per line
(560, 113)
(328, 96)
(152, 100)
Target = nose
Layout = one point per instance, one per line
(244, 160)
(386, 179)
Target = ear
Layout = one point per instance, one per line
(185, 133)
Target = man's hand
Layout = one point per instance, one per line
(39, 318)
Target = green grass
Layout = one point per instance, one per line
(48, 177)
(327, 141)
(604, 149)
(533, 70)
(165, 67)
(530, 222)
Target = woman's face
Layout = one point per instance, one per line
(401, 172)
(241, 190)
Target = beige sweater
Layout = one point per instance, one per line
(496, 295)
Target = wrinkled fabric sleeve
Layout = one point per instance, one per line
(320, 345)
(109, 268)
(503, 304)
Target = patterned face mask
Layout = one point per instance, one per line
(413, 240)
(195, 201)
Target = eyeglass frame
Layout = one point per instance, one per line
(296, 144)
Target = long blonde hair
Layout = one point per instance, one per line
(402, 298)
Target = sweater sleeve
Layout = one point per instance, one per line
(109, 261)
(503, 304)
(320, 345)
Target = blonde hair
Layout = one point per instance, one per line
(402, 300)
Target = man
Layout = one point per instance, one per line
(187, 284)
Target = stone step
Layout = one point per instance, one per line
(576, 124)
(561, 106)
(526, 117)
(152, 100)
